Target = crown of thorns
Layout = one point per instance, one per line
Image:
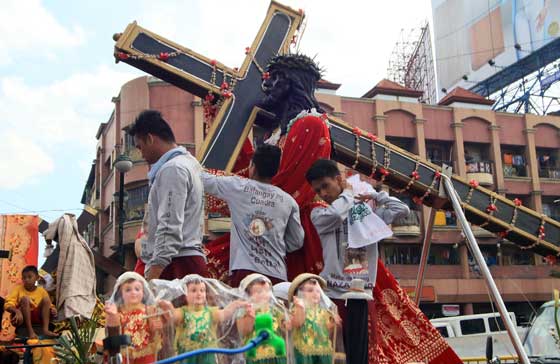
(295, 62)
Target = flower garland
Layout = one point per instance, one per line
(386, 163)
(357, 133)
(304, 113)
(420, 200)
(373, 154)
(414, 176)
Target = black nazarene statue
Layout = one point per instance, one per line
(398, 331)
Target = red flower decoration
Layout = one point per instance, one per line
(265, 76)
(550, 259)
(247, 50)
(227, 94)
(417, 200)
(541, 229)
(491, 208)
(122, 56)
(437, 175)
(164, 56)
(517, 202)
(503, 234)
(209, 97)
(372, 137)
(357, 131)
(473, 183)
(384, 172)
(224, 86)
(415, 175)
(213, 63)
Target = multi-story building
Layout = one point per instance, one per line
(515, 155)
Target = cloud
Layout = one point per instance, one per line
(54, 119)
(353, 42)
(23, 161)
(26, 26)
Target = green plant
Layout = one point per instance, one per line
(75, 347)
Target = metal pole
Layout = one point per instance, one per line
(425, 253)
(479, 258)
(121, 218)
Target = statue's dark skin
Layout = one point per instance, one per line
(287, 93)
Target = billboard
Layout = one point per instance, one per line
(469, 33)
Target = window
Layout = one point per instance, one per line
(548, 163)
(443, 255)
(443, 331)
(439, 153)
(110, 212)
(513, 160)
(550, 208)
(512, 255)
(137, 198)
(402, 254)
(128, 142)
(477, 158)
(496, 324)
(474, 326)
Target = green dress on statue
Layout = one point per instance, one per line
(198, 331)
(312, 341)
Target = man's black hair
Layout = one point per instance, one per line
(267, 160)
(30, 268)
(151, 122)
(322, 168)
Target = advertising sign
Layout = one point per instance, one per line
(470, 33)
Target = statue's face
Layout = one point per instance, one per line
(275, 88)
(132, 292)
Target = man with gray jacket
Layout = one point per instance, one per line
(173, 248)
(331, 222)
(265, 220)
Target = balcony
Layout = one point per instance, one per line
(440, 162)
(407, 226)
(511, 171)
(481, 171)
(445, 220)
(549, 172)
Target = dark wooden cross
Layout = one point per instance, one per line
(400, 169)
(200, 75)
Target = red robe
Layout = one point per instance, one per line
(399, 331)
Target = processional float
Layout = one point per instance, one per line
(234, 92)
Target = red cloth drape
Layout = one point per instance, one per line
(307, 141)
(399, 332)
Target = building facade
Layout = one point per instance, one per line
(513, 154)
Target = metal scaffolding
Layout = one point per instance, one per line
(412, 64)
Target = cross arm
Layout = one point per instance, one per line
(408, 173)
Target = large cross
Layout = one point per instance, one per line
(400, 169)
(200, 75)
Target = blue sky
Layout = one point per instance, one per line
(57, 73)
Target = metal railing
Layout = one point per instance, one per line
(480, 167)
(549, 172)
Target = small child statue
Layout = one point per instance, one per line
(131, 309)
(197, 322)
(313, 320)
